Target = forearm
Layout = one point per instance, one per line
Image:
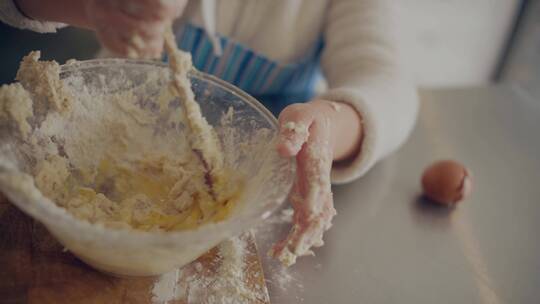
(362, 64)
(72, 12)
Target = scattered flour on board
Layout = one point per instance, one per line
(196, 283)
(284, 278)
(165, 287)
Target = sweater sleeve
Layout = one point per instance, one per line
(362, 65)
(10, 14)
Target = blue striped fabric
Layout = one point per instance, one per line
(252, 72)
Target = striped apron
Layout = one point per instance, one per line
(274, 84)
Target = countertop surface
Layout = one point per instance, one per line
(387, 245)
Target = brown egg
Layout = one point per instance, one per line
(446, 182)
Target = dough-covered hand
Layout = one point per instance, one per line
(133, 28)
(305, 133)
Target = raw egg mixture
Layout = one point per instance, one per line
(149, 194)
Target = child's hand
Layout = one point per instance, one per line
(313, 133)
(133, 28)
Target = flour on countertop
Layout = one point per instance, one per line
(284, 279)
(220, 281)
(278, 277)
(166, 287)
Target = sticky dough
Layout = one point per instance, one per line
(42, 78)
(151, 192)
(201, 135)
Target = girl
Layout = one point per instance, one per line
(276, 51)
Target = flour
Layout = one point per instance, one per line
(71, 61)
(294, 135)
(219, 281)
(296, 127)
(284, 279)
(224, 286)
(124, 102)
(285, 216)
(166, 286)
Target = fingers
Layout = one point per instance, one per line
(295, 122)
(148, 42)
(113, 43)
(314, 163)
(151, 10)
(311, 196)
(151, 48)
(133, 28)
(135, 45)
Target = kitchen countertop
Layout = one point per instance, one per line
(387, 245)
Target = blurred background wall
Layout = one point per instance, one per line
(522, 63)
(447, 42)
(455, 42)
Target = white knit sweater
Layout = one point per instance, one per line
(361, 61)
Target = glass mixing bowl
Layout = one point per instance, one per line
(140, 253)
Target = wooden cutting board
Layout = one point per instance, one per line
(34, 268)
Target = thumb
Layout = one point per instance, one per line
(294, 124)
(292, 136)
